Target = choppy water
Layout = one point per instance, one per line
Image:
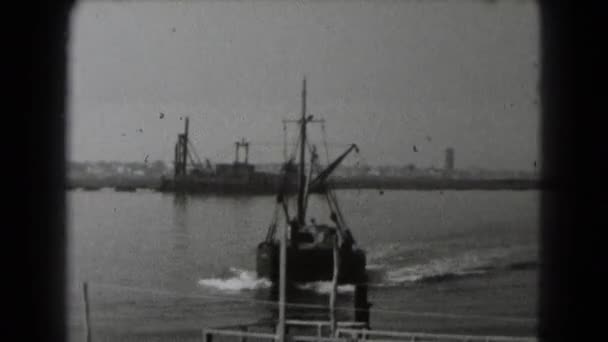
(444, 261)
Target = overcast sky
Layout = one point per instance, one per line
(386, 75)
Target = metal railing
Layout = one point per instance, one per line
(208, 334)
(392, 336)
(243, 334)
(355, 331)
(319, 325)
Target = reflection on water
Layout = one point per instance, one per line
(180, 235)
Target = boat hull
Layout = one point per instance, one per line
(311, 265)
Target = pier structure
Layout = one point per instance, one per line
(181, 151)
(240, 177)
(238, 145)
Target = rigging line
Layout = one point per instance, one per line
(308, 178)
(342, 223)
(318, 166)
(316, 306)
(296, 145)
(193, 151)
(285, 141)
(324, 134)
(339, 224)
(314, 165)
(192, 161)
(273, 223)
(333, 202)
(332, 197)
(311, 147)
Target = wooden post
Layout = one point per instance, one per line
(282, 286)
(243, 337)
(301, 172)
(185, 156)
(285, 140)
(334, 287)
(87, 323)
(361, 304)
(236, 152)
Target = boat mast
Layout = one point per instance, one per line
(302, 178)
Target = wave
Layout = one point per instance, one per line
(325, 287)
(437, 270)
(437, 278)
(471, 264)
(476, 271)
(523, 265)
(243, 280)
(238, 281)
(394, 251)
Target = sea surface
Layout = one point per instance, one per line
(439, 261)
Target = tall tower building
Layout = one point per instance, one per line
(449, 159)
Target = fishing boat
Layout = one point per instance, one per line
(310, 245)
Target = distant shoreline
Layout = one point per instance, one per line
(375, 182)
(436, 184)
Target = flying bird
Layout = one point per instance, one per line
(140, 130)
(414, 148)
(162, 115)
(428, 138)
(146, 159)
